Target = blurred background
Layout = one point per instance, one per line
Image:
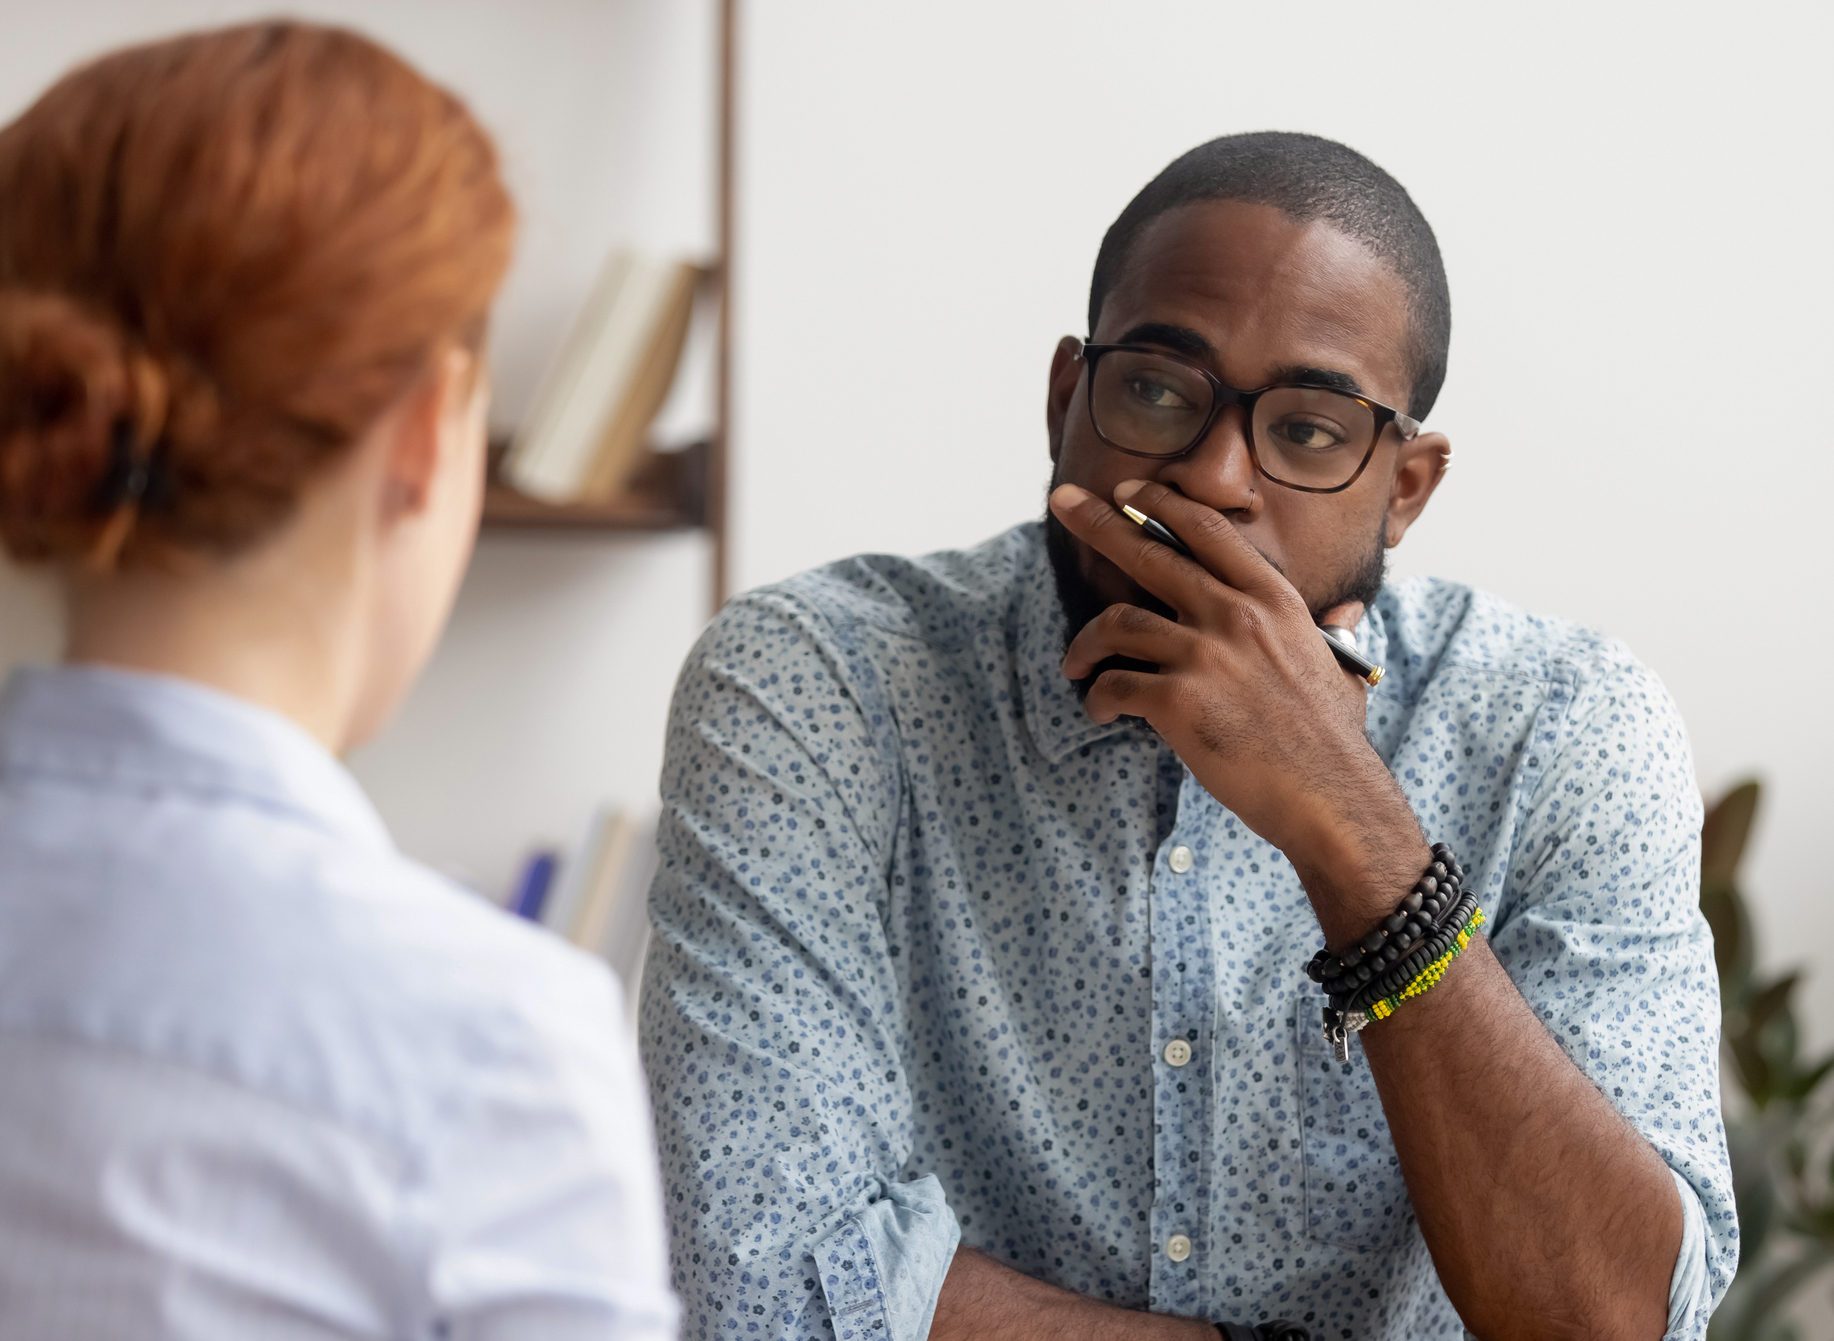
(1633, 202)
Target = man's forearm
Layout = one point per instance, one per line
(983, 1299)
(1547, 1214)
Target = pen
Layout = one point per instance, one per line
(1342, 641)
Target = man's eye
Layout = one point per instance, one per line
(1156, 394)
(1307, 435)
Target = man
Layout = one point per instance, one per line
(977, 1005)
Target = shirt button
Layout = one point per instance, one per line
(1178, 1052)
(1181, 859)
(1178, 1247)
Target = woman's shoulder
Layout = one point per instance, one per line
(339, 978)
(444, 993)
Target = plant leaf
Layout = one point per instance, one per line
(1770, 1024)
(1771, 998)
(1754, 1191)
(1732, 957)
(1804, 1083)
(1724, 833)
(1753, 1067)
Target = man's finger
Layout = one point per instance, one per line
(1123, 693)
(1222, 549)
(1159, 569)
(1124, 631)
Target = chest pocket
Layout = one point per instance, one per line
(1355, 1196)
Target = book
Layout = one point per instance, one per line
(626, 434)
(532, 887)
(594, 404)
(531, 459)
(604, 882)
(626, 938)
(601, 903)
(575, 877)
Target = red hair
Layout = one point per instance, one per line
(222, 257)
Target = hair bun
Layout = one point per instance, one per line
(301, 222)
(69, 375)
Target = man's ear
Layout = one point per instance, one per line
(417, 432)
(1418, 470)
(1066, 371)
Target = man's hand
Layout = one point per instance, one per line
(1244, 690)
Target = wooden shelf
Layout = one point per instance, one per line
(668, 492)
(675, 490)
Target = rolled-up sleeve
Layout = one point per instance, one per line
(771, 1022)
(1602, 932)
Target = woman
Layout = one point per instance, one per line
(260, 1076)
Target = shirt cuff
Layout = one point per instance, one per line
(1690, 1295)
(882, 1269)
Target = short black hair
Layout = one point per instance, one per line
(1309, 178)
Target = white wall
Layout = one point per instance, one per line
(1633, 206)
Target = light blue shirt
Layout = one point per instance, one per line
(925, 934)
(262, 1077)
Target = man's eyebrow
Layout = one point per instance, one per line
(1325, 377)
(1178, 339)
(1184, 340)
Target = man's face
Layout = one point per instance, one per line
(1256, 297)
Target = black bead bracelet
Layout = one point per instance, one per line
(1404, 971)
(1425, 909)
(1422, 929)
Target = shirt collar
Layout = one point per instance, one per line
(126, 730)
(1054, 715)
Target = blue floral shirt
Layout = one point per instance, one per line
(939, 960)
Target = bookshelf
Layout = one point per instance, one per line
(667, 492)
(671, 490)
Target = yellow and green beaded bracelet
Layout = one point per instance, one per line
(1424, 981)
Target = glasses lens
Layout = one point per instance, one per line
(1314, 439)
(1148, 403)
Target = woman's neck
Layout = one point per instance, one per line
(275, 634)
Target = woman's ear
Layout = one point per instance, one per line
(1066, 371)
(424, 427)
(1420, 467)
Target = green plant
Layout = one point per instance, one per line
(1779, 1111)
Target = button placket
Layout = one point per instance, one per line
(1183, 1005)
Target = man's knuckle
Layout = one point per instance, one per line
(1124, 618)
(1214, 527)
(1246, 620)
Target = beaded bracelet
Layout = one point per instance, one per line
(1429, 976)
(1341, 1022)
(1419, 914)
(1402, 958)
(1398, 975)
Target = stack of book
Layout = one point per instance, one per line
(588, 426)
(597, 897)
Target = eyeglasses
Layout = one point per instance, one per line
(1146, 402)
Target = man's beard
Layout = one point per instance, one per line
(1082, 603)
